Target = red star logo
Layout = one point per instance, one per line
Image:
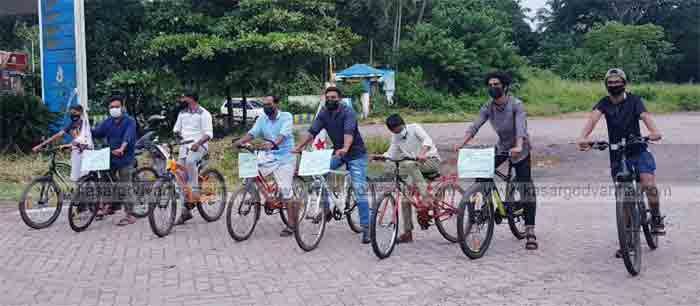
(320, 144)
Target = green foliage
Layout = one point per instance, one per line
(637, 49)
(464, 41)
(33, 116)
(377, 144)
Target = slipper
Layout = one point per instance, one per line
(531, 243)
(126, 221)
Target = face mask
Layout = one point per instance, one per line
(403, 133)
(495, 92)
(332, 105)
(616, 90)
(74, 118)
(115, 112)
(269, 111)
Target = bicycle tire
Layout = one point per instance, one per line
(311, 212)
(649, 236)
(467, 215)
(165, 202)
(88, 185)
(352, 214)
(142, 181)
(249, 197)
(440, 223)
(220, 190)
(628, 232)
(298, 189)
(379, 212)
(515, 213)
(48, 183)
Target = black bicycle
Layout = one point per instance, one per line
(631, 204)
(482, 207)
(42, 199)
(93, 192)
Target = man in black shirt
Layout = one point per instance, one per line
(623, 111)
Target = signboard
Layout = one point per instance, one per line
(64, 80)
(315, 162)
(476, 163)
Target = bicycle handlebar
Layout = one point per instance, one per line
(603, 145)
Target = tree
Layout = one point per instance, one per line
(464, 40)
(636, 49)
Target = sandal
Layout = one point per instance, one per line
(531, 243)
(126, 221)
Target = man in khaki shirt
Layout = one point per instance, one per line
(411, 141)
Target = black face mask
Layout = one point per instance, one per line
(495, 92)
(182, 105)
(269, 111)
(332, 105)
(74, 118)
(616, 90)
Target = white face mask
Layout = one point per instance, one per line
(115, 112)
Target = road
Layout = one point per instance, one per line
(199, 264)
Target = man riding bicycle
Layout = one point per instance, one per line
(341, 124)
(73, 128)
(120, 132)
(623, 111)
(277, 127)
(411, 141)
(508, 117)
(194, 123)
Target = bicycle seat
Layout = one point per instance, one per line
(431, 176)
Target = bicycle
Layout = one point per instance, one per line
(482, 207)
(631, 208)
(36, 201)
(312, 213)
(144, 178)
(89, 198)
(444, 188)
(173, 186)
(256, 192)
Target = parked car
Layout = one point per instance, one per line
(254, 109)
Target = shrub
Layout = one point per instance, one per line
(23, 122)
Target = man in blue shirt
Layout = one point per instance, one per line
(119, 130)
(276, 126)
(341, 124)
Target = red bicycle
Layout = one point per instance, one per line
(385, 219)
(243, 211)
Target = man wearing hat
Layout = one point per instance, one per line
(623, 111)
(194, 123)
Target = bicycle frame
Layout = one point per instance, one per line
(337, 197)
(414, 196)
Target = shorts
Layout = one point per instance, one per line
(644, 163)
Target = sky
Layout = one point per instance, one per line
(533, 5)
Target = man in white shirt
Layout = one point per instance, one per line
(193, 123)
(411, 141)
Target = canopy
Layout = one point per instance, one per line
(359, 71)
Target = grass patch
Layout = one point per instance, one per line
(412, 116)
(546, 94)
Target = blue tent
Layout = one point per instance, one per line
(359, 71)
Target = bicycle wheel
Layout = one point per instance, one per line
(143, 181)
(515, 212)
(242, 213)
(298, 189)
(628, 224)
(312, 223)
(213, 200)
(41, 203)
(475, 221)
(163, 210)
(352, 212)
(384, 228)
(83, 206)
(651, 238)
(445, 211)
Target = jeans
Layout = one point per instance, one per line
(358, 175)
